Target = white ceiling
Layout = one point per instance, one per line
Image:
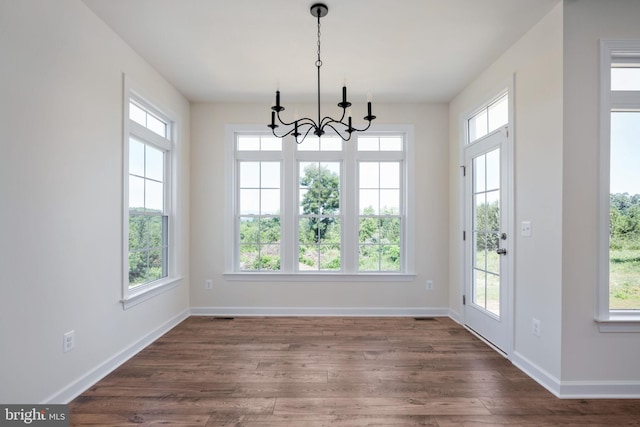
(243, 50)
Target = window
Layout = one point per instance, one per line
(322, 208)
(489, 118)
(619, 281)
(148, 206)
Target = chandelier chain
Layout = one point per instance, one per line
(319, 61)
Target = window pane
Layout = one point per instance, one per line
(625, 78)
(329, 256)
(389, 175)
(137, 114)
(248, 143)
(308, 258)
(390, 258)
(154, 161)
(270, 175)
(138, 235)
(479, 176)
(270, 230)
(493, 293)
(331, 143)
(309, 144)
(368, 143)
(156, 232)
(369, 258)
(269, 143)
(249, 202)
(478, 126)
(493, 169)
(137, 268)
(480, 240)
(389, 202)
(480, 220)
(308, 174)
(480, 288)
(249, 174)
(136, 157)
(249, 257)
(156, 125)
(369, 230)
(155, 265)
(322, 184)
(154, 196)
(390, 230)
(249, 230)
(269, 258)
(136, 193)
(369, 202)
(391, 143)
(624, 242)
(499, 113)
(369, 174)
(269, 202)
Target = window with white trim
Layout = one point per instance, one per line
(148, 208)
(322, 207)
(619, 281)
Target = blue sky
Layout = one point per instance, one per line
(625, 152)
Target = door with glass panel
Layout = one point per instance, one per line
(487, 240)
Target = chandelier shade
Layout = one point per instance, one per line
(300, 128)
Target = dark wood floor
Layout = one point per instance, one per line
(310, 372)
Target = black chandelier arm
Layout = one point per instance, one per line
(340, 134)
(295, 131)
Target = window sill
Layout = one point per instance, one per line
(320, 277)
(145, 292)
(620, 323)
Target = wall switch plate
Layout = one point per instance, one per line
(525, 228)
(535, 327)
(208, 284)
(68, 341)
(429, 285)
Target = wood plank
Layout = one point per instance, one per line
(282, 372)
(379, 406)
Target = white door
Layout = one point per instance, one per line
(487, 239)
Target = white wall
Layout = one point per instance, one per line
(207, 221)
(61, 103)
(588, 355)
(535, 63)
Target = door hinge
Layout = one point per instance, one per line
(464, 300)
(464, 170)
(464, 235)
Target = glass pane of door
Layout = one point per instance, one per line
(486, 232)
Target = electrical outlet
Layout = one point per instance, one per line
(208, 284)
(525, 228)
(68, 341)
(535, 327)
(429, 285)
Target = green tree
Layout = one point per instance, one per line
(487, 226)
(322, 198)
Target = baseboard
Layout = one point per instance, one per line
(321, 311)
(600, 390)
(539, 375)
(455, 316)
(70, 392)
(577, 389)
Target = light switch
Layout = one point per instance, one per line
(525, 228)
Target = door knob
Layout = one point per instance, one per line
(501, 251)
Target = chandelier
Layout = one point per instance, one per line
(302, 127)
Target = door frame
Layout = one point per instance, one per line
(509, 211)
